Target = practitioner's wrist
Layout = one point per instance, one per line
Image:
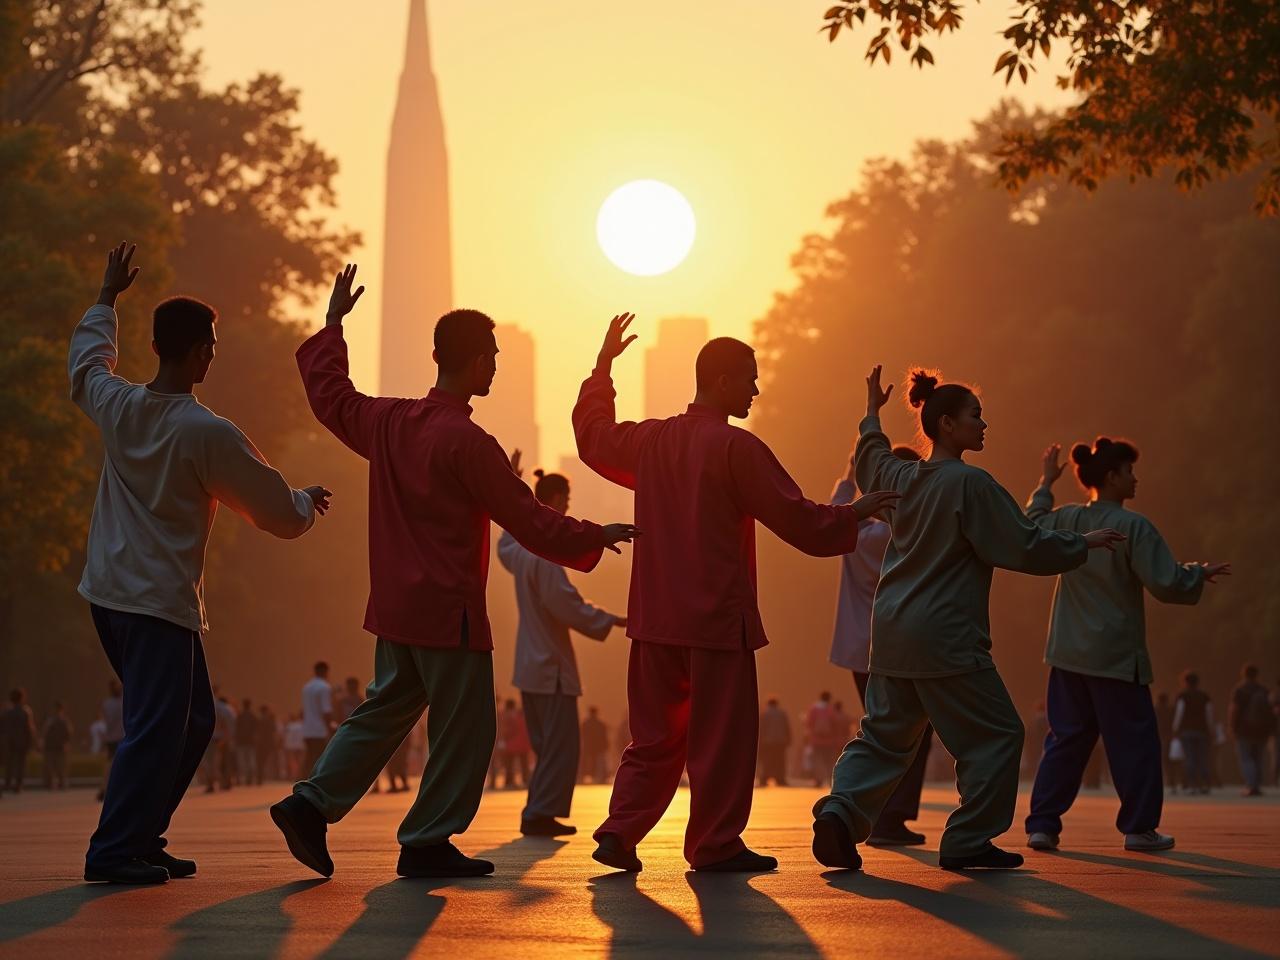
(107, 297)
(333, 319)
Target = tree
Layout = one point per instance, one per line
(1188, 85)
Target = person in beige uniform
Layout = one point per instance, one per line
(169, 461)
(931, 634)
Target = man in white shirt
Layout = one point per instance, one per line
(546, 669)
(317, 715)
(168, 462)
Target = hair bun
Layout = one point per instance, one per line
(539, 473)
(923, 384)
(1101, 444)
(1081, 454)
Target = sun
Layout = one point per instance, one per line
(646, 227)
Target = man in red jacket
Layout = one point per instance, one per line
(700, 485)
(436, 479)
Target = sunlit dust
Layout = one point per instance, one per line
(646, 227)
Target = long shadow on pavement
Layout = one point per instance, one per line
(397, 915)
(253, 925)
(1223, 880)
(994, 907)
(20, 918)
(735, 917)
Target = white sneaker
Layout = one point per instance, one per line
(1146, 842)
(1042, 841)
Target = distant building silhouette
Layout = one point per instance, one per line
(508, 411)
(668, 365)
(417, 285)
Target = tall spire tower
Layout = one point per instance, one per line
(417, 267)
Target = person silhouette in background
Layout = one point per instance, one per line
(1252, 723)
(775, 738)
(169, 461)
(931, 635)
(546, 668)
(436, 480)
(1193, 725)
(17, 737)
(700, 486)
(1099, 668)
(851, 650)
(595, 746)
(823, 738)
(56, 739)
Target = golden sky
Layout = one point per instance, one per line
(548, 106)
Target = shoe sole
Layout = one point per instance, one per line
(893, 842)
(763, 866)
(1154, 848)
(630, 866)
(832, 846)
(1045, 847)
(301, 852)
(946, 864)
(91, 877)
(430, 873)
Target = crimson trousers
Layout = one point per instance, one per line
(694, 707)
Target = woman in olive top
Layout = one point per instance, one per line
(1099, 668)
(930, 632)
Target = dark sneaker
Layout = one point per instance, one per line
(135, 871)
(992, 858)
(304, 830)
(894, 835)
(1148, 842)
(744, 861)
(1042, 840)
(546, 827)
(832, 844)
(440, 860)
(612, 852)
(177, 869)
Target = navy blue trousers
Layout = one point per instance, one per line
(168, 722)
(1080, 708)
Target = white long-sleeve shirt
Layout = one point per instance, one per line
(859, 575)
(169, 461)
(549, 607)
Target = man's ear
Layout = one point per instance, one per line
(155, 349)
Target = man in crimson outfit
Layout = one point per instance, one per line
(436, 479)
(700, 485)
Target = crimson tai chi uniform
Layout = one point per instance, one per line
(436, 479)
(700, 485)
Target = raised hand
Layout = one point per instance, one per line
(342, 300)
(320, 497)
(615, 533)
(1052, 469)
(615, 340)
(515, 462)
(1214, 570)
(876, 398)
(874, 503)
(1105, 539)
(119, 275)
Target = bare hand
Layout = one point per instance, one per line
(118, 276)
(1214, 570)
(319, 497)
(615, 340)
(618, 533)
(620, 621)
(342, 300)
(873, 503)
(876, 398)
(1106, 539)
(1052, 469)
(515, 462)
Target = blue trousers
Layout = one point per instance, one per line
(1080, 708)
(552, 719)
(168, 722)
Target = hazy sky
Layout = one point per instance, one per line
(548, 106)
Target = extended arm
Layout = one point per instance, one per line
(92, 359)
(1164, 577)
(235, 473)
(609, 448)
(1039, 506)
(565, 603)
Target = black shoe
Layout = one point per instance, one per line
(546, 827)
(992, 858)
(894, 835)
(744, 861)
(304, 830)
(611, 851)
(832, 845)
(135, 871)
(440, 860)
(177, 869)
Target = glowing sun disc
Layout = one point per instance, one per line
(646, 227)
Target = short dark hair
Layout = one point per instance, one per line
(180, 323)
(1190, 678)
(460, 337)
(719, 357)
(17, 695)
(1250, 671)
(935, 400)
(1093, 465)
(549, 485)
(321, 667)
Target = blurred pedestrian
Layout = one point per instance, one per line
(1193, 725)
(18, 731)
(1252, 723)
(56, 740)
(775, 738)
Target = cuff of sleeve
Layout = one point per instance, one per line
(306, 508)
(101, 309)
(869, 424)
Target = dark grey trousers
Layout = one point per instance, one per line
(552, 719)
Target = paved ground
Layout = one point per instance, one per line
(1216, 896)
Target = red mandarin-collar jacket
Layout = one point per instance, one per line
(700, 485)
(435, 481)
